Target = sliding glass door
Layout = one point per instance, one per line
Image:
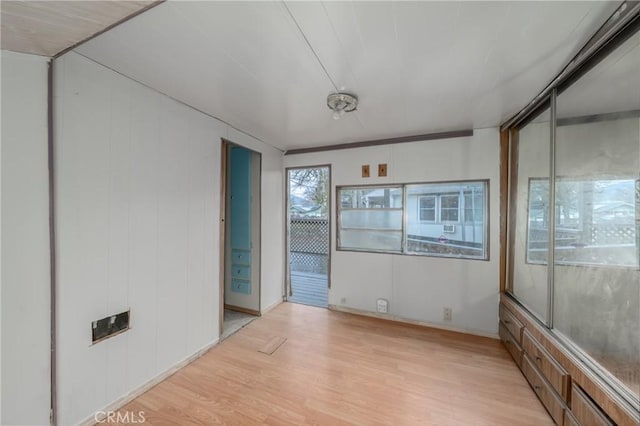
(575, 179)
(596, 278)
(531, 232)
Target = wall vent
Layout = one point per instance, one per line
(449, 229)
(109, 326)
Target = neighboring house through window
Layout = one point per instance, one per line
(473, 202)
(449, 207)
(428, 208)
(594, 220)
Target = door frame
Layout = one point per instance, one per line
(287, 231)
(225, 148)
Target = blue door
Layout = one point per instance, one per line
(240, 218)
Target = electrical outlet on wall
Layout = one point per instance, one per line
(447, 314)
(382, 306)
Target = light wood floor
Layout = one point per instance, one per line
(337, 368)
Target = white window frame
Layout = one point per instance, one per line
(457, 196)
(435, 208)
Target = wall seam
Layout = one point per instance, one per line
(52, 246)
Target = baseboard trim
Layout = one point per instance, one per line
(243, 310)
(397, 318)
(121, 402)
(272, 306)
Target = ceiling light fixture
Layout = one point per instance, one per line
(340, 103)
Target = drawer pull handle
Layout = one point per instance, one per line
(538, 358)
(507, 322)
(537, 387)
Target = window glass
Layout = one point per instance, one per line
(449, 207)
(438, 219)
(538, 232)
(473, 207)
(595, 222)
(370, 219)
(445, 235)
(371, 198)
(370, 240)
(596, 274)
(428, 208)
(530, 238)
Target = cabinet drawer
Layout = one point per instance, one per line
(510, 343)
(241, 271)
(543, 390)
(586, 411)
(241, 286)
(240, 256)
(552, 371)
(569, 419)
(514, 326)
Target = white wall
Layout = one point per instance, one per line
(419, 287)
(25, 241)
(138, 205)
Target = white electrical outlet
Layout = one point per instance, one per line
(447, 314)
(383, 306)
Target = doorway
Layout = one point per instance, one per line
(308, 226)
(240, 237)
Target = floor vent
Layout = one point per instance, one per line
(272, 345)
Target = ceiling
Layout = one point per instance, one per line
(417, 67)
(49, 27)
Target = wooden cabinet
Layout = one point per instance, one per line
(549, 380)
(586, 411)
(511, 344)
(570, 419)
(552, 371)
(570, 396)
(551, 401)
(512, 324)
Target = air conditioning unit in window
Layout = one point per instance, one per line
(449, 229)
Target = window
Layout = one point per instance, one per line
(585, 285)
(449, 207)
(418, 219)
(428, 208)
(595, 222)
(473, 206)
(529, 230)
(371, 219)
